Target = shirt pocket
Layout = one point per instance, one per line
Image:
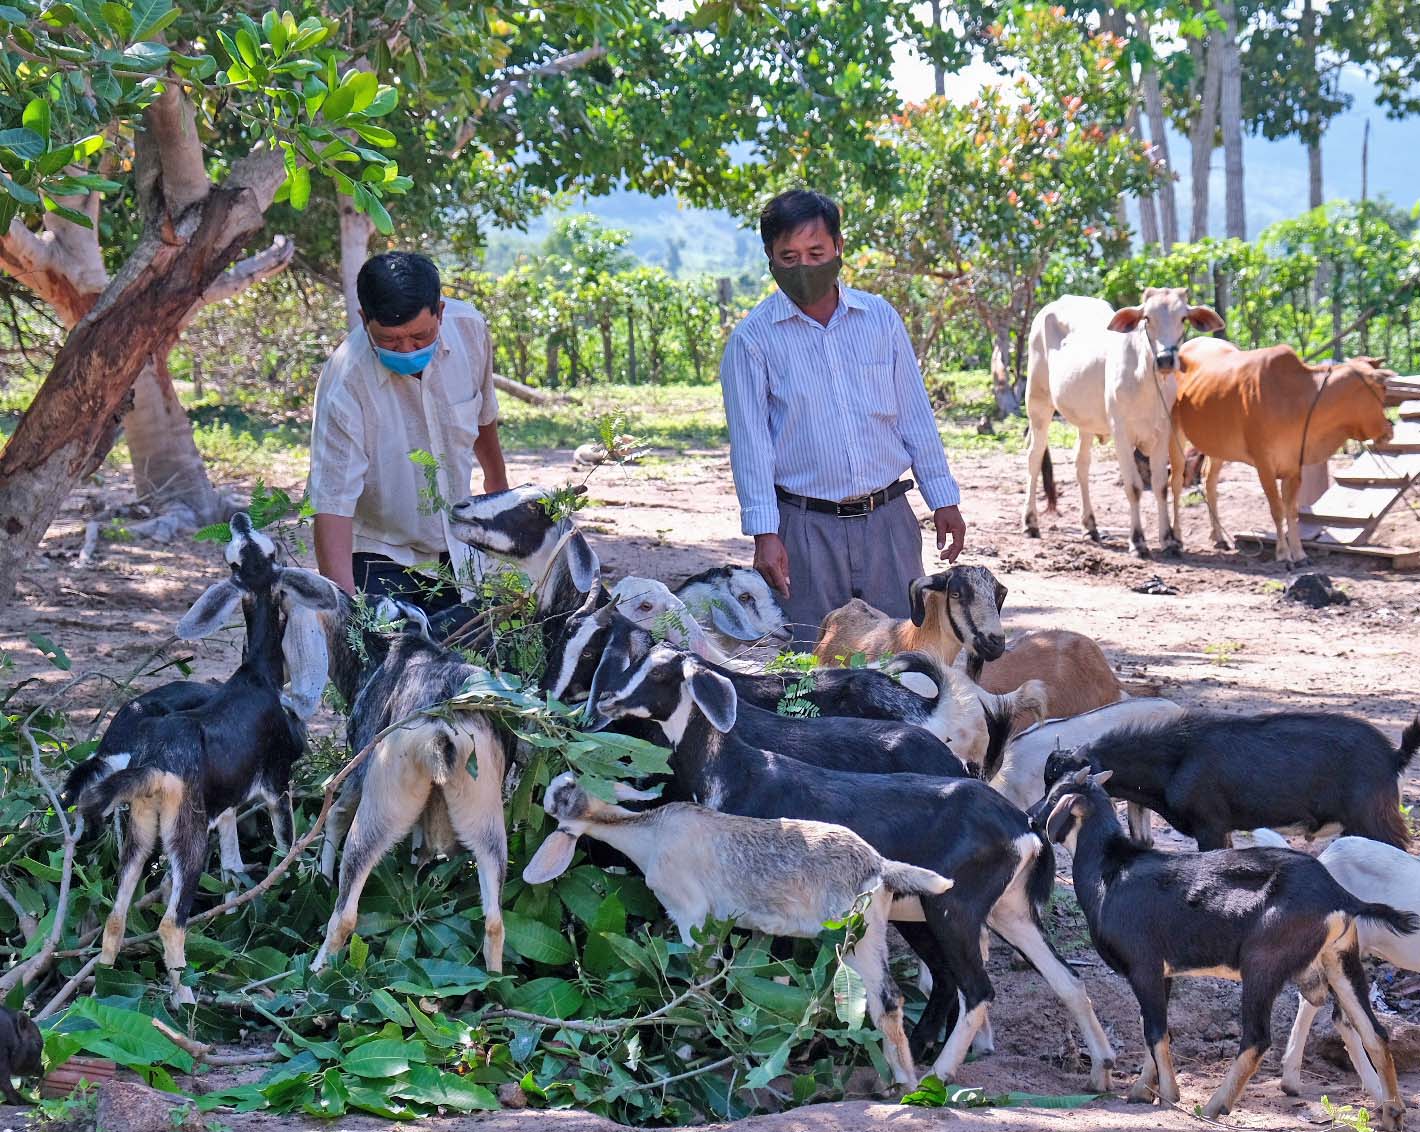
(878, 390)
(462, 419)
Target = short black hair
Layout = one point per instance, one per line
(396, 286)
(788, 212)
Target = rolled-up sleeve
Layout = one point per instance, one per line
(918, 425)
(338, 459)
(744, 383)
(483, 349)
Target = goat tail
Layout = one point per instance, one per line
(919, 663)
(1396, 920)
(1409, 744)
(98, 799)
(1042, 876)
(84, 776)
(909, 880)
(1047, 481)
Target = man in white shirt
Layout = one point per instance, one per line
(416, 377)
(826, 410)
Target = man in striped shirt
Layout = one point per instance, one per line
(826, 410)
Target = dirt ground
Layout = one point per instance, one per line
(1225, 640)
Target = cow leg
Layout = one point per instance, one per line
(1274, 504)
(1210, 496)
(1040, 411)
(1133, 489)
(1083, 447)
(1290, 486)
(1169, 541)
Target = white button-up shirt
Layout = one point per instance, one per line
(368, 419)
(832, 412)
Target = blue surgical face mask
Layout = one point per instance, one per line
(412, 362)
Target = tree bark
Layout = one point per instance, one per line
(1158, 134)
(1315, 196)
(136, 319)
(1148, 210)
(1230, 112)
(355, 231)
(1203, 130)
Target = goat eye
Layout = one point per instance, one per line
(645, 607)
(746, 599)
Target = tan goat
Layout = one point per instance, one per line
(961, 609)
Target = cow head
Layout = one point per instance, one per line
(1166, 316)
(1364, 413)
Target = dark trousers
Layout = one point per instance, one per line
(380, 576)
(833, 560)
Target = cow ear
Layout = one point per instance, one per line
(583, 563)
(713, 694)
(1126, 319)
(917, 600)
(1205, 319)
(551, 859)
(209, 612)
(1001, 593)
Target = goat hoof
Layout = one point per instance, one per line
(1094, 533)
(1291, 1088)
(1391, 1116)
(1099, 1079)
(1173, 549)
(1141, 552)
(1032, 531)
(1214, 1109)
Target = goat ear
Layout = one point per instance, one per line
(728, 618)
(583, 563)
(713, 694)
(916, 590)
(1126, 319)
(625, 792)
(1102, 777)
(310, 589)
(1205, 319)
(209, 612)
(307, 659)
(552, 858)
(1057, 825)
(1001, 592)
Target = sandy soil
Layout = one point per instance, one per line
(1226, 640)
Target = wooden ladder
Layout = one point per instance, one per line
(1360, 496)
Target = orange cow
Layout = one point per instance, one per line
(1253, 406)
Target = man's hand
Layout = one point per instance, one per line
(772, 560)
(948, 522)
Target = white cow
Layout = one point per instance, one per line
(1111, 373)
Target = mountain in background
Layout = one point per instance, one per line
(694, 241)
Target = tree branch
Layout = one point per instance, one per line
(28, 924)
(202, 1053)
(521, 80)
(243, 274)
(180, 157)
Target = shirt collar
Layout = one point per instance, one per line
(785, 308)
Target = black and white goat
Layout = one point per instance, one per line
(182, 768)
(446, 769)
(955, 827)
(1377, 874)
(785, 877)
(737, 608)
(1265, 916)
(1208, 775)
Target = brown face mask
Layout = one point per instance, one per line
(807, 283)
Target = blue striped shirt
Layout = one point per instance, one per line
(832, 412)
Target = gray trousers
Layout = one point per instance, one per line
(833, 560)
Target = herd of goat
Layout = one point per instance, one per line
(934, 785)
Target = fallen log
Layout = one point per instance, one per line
(522, 392)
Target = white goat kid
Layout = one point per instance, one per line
(650, 605)
(1111, 373)
(777, 875)
(737, 609)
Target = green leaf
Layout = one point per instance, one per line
(338, 103)
(850, 997)
(536, 941)
(363, 85)
(152, 16)
(384, 1057)
(74, 216)
(386, 1004)
(52, 652)
(119, 18)
(88, 146)
(300, 187)
(375, 1098)
(380, 216)
(18, 192)
(359, 952)
(384, 101)
(23, 143)
(787, 1001)
(248, 48)
(275, 31)
(599, 956)
(428, 1085)
(36, 118)
(147, 56)
(375, 135)
(55, 160)
(553, 998)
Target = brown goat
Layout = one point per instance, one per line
(961, 609)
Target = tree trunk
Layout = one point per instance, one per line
(1002, 387)
(167, 468)
(631, 347)
(355, 231)
(1202, 134)
(1315, 197)
(191, 234)
(1158, 134)
(1148, 210)
(1230, 112)
(939, 73)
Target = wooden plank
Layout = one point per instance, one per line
(1348, 506)
(1410, 410)
(1372, 470)
(1396, 557)
(1406, 438)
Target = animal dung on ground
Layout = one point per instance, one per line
(1156, 585)
(1315, 590)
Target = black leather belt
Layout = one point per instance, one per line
(849, 508)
